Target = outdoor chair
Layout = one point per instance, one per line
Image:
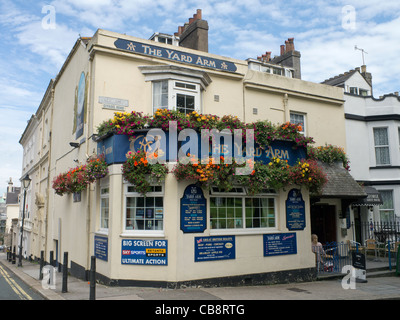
(354, 245)
(393, 248)
(372, 244)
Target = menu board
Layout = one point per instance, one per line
(101, 248)
(279, 244)
(295, 210)
(193, 210)
(214, 248)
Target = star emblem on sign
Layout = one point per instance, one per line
(224, 65)
(131, 46)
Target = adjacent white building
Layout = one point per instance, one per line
(373, 143)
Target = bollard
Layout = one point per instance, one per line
(92, 278)
(51, 258)
(41, 265)
(398, 261)
(65, 273)
(13, 256)
(390, 261)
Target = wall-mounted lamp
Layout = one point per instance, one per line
(74, 144)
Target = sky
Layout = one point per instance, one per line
(37, 36)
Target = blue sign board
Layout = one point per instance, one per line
(116, 147)
(279, 244)
(175, 55)
(101, 248)
(144, 252)
(193, 210)
(214, 248)
(295, 211)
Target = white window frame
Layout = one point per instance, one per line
(241, 192)
(141, 232)
(173, 91)
(296, 122)
(383, 146)
(105, 195)
(387, 211)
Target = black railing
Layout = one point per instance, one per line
(381, 231)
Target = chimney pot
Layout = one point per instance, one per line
(282, 49)
(363, 68)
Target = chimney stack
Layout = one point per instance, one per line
(289, 57)
(10, 185)
(367, 75)
(194, 35)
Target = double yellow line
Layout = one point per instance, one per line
(17, 289)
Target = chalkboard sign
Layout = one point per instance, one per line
(193, 210)
(358, 260)
(280, 244)
(214, 248)
(295, 210)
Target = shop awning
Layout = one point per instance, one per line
(340, 183)
(373, 198)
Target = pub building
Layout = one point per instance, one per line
(179, 233)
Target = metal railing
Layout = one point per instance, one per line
(333, 257)
(381, 231)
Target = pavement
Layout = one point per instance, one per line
(380, 285)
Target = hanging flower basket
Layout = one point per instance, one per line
(77, 179)
(138, 171)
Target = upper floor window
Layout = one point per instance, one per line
(381, 141)
(299, 119)
(176, 95)
(176, 88)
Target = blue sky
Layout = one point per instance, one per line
(325, 33)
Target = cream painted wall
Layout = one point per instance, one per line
(114, 73)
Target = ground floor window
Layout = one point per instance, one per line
(235, 210)
(144, 213)
(386, 210)
(104, 207)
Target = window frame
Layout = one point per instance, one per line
(383, 209)
(303, 124)
(241, 192)
(134, 194)
(104, 196)
(185, 88)
(382, 146)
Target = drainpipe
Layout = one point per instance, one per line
(46, 214)
(88, 121)
(286, 108)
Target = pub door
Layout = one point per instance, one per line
(323, 222)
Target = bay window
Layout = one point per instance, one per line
(236, 210)
(144, 213)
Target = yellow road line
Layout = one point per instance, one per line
(17, 289)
